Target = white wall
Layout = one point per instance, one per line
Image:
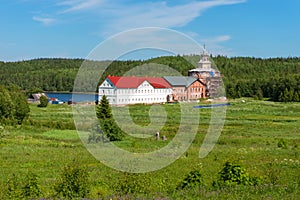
(145, 94)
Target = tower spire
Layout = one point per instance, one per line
(204, 62)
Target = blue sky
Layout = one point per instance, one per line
(72, 28)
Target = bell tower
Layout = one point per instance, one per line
(204, 62)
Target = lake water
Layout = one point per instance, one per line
(65, 97)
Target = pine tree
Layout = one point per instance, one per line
(104, 109)
(107, 123)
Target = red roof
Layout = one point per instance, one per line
(134, 82)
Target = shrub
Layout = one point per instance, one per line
(31, 187)
(43, 101)
(12, 186)
(235, 174)
(7, 107)
(134, 183)
(20, 102)
(193, 179)
(19, 188)
(282, 144)
(73, 182)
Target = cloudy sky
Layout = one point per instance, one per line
(72, 28)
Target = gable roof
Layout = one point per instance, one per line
(180, 81)
(134, 82)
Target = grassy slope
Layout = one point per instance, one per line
(250, 135)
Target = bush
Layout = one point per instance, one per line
(12, 186)
(43, 102)
(235, 174)
(193, 179)
(31, 187)
(13, 105)
(73, 182)
(130, 183)
(282, 144)
(7, 107)
(19, 188)
(20, 102)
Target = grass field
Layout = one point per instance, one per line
(262, 136)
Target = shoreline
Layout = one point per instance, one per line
(66, 92)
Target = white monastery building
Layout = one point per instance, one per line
(135, 90)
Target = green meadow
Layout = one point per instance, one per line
(261, 136)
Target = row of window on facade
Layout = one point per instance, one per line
(128, 91)
(191, 90)
(180, 98)
(138, 100)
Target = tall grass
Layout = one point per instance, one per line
(251, 136)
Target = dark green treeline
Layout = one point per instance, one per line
(275, 78)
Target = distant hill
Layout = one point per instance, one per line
(274, 78)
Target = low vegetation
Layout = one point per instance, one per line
(256, 157)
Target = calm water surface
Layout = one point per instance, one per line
(65, 97)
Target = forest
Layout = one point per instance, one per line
(276, 79)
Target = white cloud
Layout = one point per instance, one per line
(44, 20)
(138, 40)
(213, 44)
(111, 17)
(215, 47)
(80, 5)
(222, 38)
(118, 15)
(159, 14)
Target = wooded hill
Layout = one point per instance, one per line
(275, 78)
